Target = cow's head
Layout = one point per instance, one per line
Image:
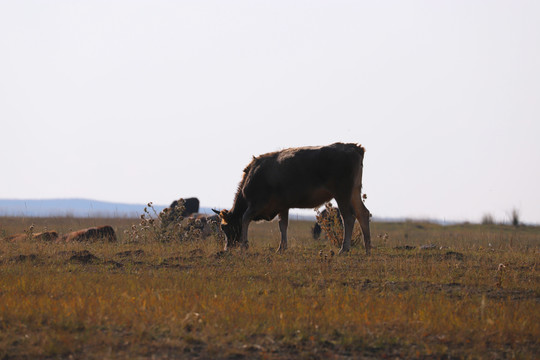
(231, 226)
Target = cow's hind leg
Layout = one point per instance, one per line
(362, 215)
(283, 224)
(347, 216)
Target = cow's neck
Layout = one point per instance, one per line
(239, 206)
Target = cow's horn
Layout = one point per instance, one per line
(217, 212)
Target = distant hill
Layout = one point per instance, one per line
(90, 208)
(71, 207)
(93, 208)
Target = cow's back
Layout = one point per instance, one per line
(302, 177)
(91, 234)
(107, 232)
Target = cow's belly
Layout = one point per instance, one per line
(303, 200)
(312, 199)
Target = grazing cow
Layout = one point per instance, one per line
(191, 206)
(304, 177)
(324, 216)
(41, 236)
(178, 210)
(91, 234)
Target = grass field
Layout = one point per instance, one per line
(476, 294)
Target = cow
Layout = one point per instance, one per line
(191, 206)
(178, 210)
(303, 177)
(324, 216)
(91, 234)
(40, 236)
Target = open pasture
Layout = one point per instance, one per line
(475, 294)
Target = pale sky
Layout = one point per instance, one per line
(137, 101)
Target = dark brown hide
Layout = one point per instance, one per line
(91, 234)
(191, 206)
(178, 210)
(303, 177)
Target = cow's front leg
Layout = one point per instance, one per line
(246, 219)
(283, 224)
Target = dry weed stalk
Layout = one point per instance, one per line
(29, 232)
(166, 226)
(500, 275)
(332, 225)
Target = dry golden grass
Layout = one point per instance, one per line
(186, 300)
